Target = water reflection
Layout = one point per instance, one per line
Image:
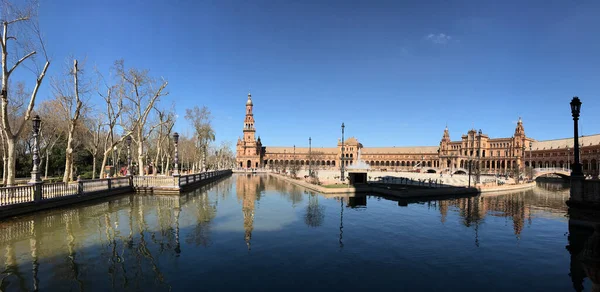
(135, 242)
(249, 189)
(584, 248)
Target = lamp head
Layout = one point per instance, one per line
(37, 121)
(575, 107)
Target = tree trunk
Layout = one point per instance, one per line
(47, 159)
(12, 160)
(4, 161)
(69, 155)
(94, 166)
(168, 163)
(140, 152)
(157, 159)
(4, 168)
(104, 158)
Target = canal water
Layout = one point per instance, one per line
(259, 233)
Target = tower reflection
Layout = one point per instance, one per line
(248, 190)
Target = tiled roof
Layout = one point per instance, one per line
(299, 150)
(400, 150)
(563, 143)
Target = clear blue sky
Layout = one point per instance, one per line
(394, 71)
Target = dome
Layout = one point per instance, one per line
(249, 102)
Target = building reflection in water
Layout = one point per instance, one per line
(249, 189)
(137, 233)
(518, 207)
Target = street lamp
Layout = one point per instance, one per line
(35, 172)
(530, 165)
(575, 110)
(342, 160)
(309, 157)
(128, 143)
(294, 158)
(422, 162)
(523, 159)
(568, 158)
(176, 144)
(479, 156)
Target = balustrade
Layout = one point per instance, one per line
(24, 194)
(16, 195)
(56, 190)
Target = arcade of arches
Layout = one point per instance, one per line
(494, 155)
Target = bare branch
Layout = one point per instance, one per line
(20, 61)
(22, 18)
(32, 99)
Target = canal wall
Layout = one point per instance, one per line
(382, 190)
(586, 194)
(408, 192)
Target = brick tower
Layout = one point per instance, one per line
(249, 150)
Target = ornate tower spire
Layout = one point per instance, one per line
(446, 137)
(249, 121)
(519, 131)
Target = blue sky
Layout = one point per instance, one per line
(395, 72)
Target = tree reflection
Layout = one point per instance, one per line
(315, 213)
(204, 212)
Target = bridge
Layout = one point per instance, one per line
(560, 171)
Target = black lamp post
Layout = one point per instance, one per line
(568, 157)
(342, 160)
(309, 157)
(478, 157)
(176, 144)
(128, 143)
(285, 161)
(575, 110)
(523, 159)
(35, 172)
(530, 165)
(294, 158)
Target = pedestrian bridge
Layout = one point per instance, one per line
(560, 171)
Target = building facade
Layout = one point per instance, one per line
(474, 150)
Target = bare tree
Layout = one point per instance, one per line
(200, 118)
(72, 105)
(21, 23)
(52, 129)
(94, 130)
(141, 92)
(166, 121)
(114, 111)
